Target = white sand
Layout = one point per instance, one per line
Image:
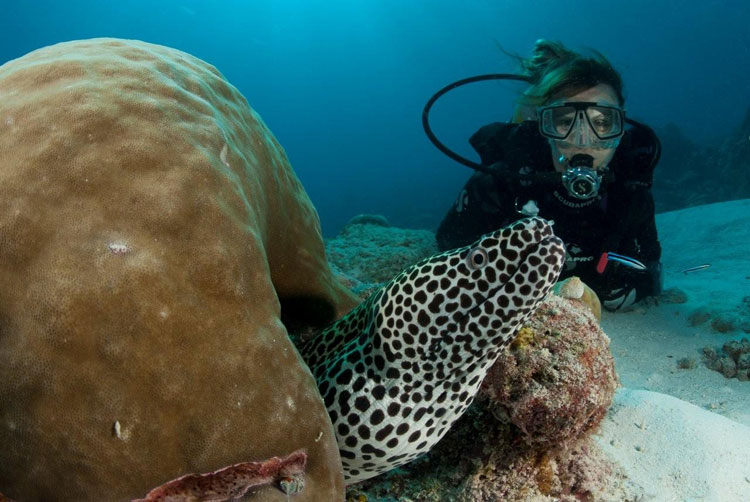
(695, 447)
(647, 345)
(673, 450)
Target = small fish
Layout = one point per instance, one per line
(626, 260)
(696, 268)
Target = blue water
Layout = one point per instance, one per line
(342, 83)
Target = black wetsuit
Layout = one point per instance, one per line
(620, 219)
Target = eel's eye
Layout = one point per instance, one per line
(477, 258)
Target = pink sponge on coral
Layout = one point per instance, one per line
(234, 481)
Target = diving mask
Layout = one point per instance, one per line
(582, 124)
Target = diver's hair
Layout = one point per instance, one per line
(554, 70)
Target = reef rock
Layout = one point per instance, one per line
(151, 231)
(680, 179)
(556, 383)
(369, 251)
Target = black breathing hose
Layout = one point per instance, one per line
(426, 116)
(500, 76)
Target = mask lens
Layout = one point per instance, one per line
(582, 124)
(605, 121)
(557, 122)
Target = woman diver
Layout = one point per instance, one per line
(571, 156)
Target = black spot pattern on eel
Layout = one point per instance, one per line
(401, 368)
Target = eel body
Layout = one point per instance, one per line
(403, 366)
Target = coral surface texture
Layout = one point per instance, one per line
(151, 230)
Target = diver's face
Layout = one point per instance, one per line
(601, 93)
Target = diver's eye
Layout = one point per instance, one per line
(602, 125)
(477, 258)
(563, 124)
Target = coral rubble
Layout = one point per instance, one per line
(723, 320)
(733, 361)
(556, 387)
(573, 288)
(370, 251)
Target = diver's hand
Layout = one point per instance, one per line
(619, 298)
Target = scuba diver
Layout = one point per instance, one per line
(569, 155)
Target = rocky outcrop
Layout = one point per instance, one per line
(689, 174)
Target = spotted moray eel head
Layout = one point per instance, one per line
(512, 270)
(397, 372)
(482, 290)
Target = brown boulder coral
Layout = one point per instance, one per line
(151, 229)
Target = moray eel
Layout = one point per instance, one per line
(403, 366)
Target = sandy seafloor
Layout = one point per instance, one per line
(695, 447)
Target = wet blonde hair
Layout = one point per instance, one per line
(554, 70)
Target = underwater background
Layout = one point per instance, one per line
(342, 84)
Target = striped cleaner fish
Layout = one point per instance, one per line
(402, 367)
(696, 268)
(627, 261)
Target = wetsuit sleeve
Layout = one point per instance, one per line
(647, 247)
(645, 234)
(641, 152)
(482, 206)
(641, 243)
